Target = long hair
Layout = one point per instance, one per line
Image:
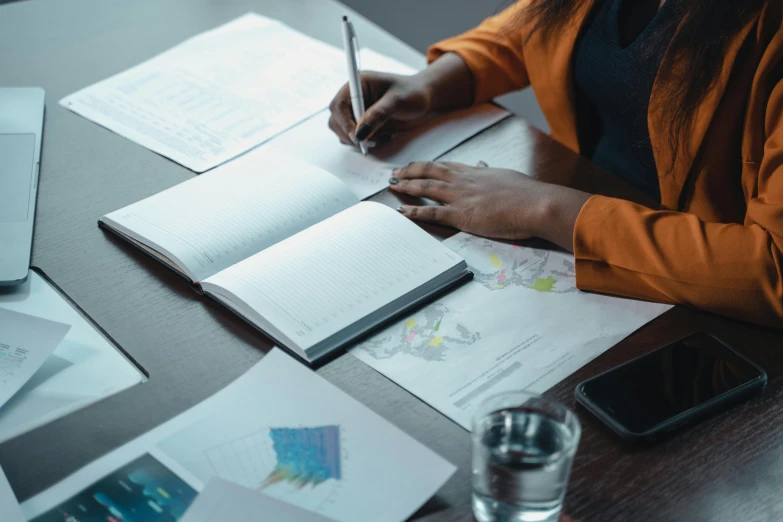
(705, 28)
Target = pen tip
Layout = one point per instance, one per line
(345, 18)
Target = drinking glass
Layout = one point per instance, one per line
(523, 448)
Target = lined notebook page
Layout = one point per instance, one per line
(329, 276)
(209, 223)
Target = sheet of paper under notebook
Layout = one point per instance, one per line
(223, 501)
(9, 507)
(26, 342)
(84, 367)
(520, 324)
(279, 429)
(313, 141)
(220, 93)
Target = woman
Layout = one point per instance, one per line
(680, 98)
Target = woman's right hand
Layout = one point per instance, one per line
(393, 103)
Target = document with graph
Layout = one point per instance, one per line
(281, 431)
(289, 248)
(26, 342)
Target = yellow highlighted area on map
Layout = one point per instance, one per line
(495, 261)
(436, 341)
(543, 284)
(411, 323)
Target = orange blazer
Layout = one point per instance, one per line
(716, 242)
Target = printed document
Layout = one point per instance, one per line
(84, 368)
(280, 430)
(25, 343)
(223, 501)
(9, 507)
(520, 324)
(220, 93)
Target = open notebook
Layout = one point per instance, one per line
(290, 248)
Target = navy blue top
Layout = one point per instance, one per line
(615, 63)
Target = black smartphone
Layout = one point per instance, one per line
(671, 387)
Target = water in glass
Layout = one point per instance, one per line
(521, 462)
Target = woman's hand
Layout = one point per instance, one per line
(394, 103)
(496, 203)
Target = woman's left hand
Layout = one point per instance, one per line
(496, 203)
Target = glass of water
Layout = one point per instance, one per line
(523, 448)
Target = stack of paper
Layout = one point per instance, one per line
(83, 367)
(26, 342)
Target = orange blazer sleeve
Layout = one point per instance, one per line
(729, 269)
(493, 53)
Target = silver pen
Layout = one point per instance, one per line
(351, 44)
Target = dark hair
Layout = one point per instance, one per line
(706, 28)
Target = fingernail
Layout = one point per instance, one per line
(482, 164)
(353, 138)
(396, 172)
(363, 131)
(401, 210)
(393, 181)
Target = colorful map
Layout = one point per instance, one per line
(428, 334)
(499, 265)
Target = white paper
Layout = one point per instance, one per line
(9, 507)
(223, 501)
(521, 324)
(313, 141)
(219, 93)
(359, 466)
(26, 342)
(83, 369)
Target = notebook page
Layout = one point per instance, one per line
(207, 224)
(326, 278)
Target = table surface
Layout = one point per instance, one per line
(727, 468)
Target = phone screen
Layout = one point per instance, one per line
(669, 381)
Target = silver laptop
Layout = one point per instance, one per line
(21, 127)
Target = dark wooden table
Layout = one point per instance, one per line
(729, 468)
